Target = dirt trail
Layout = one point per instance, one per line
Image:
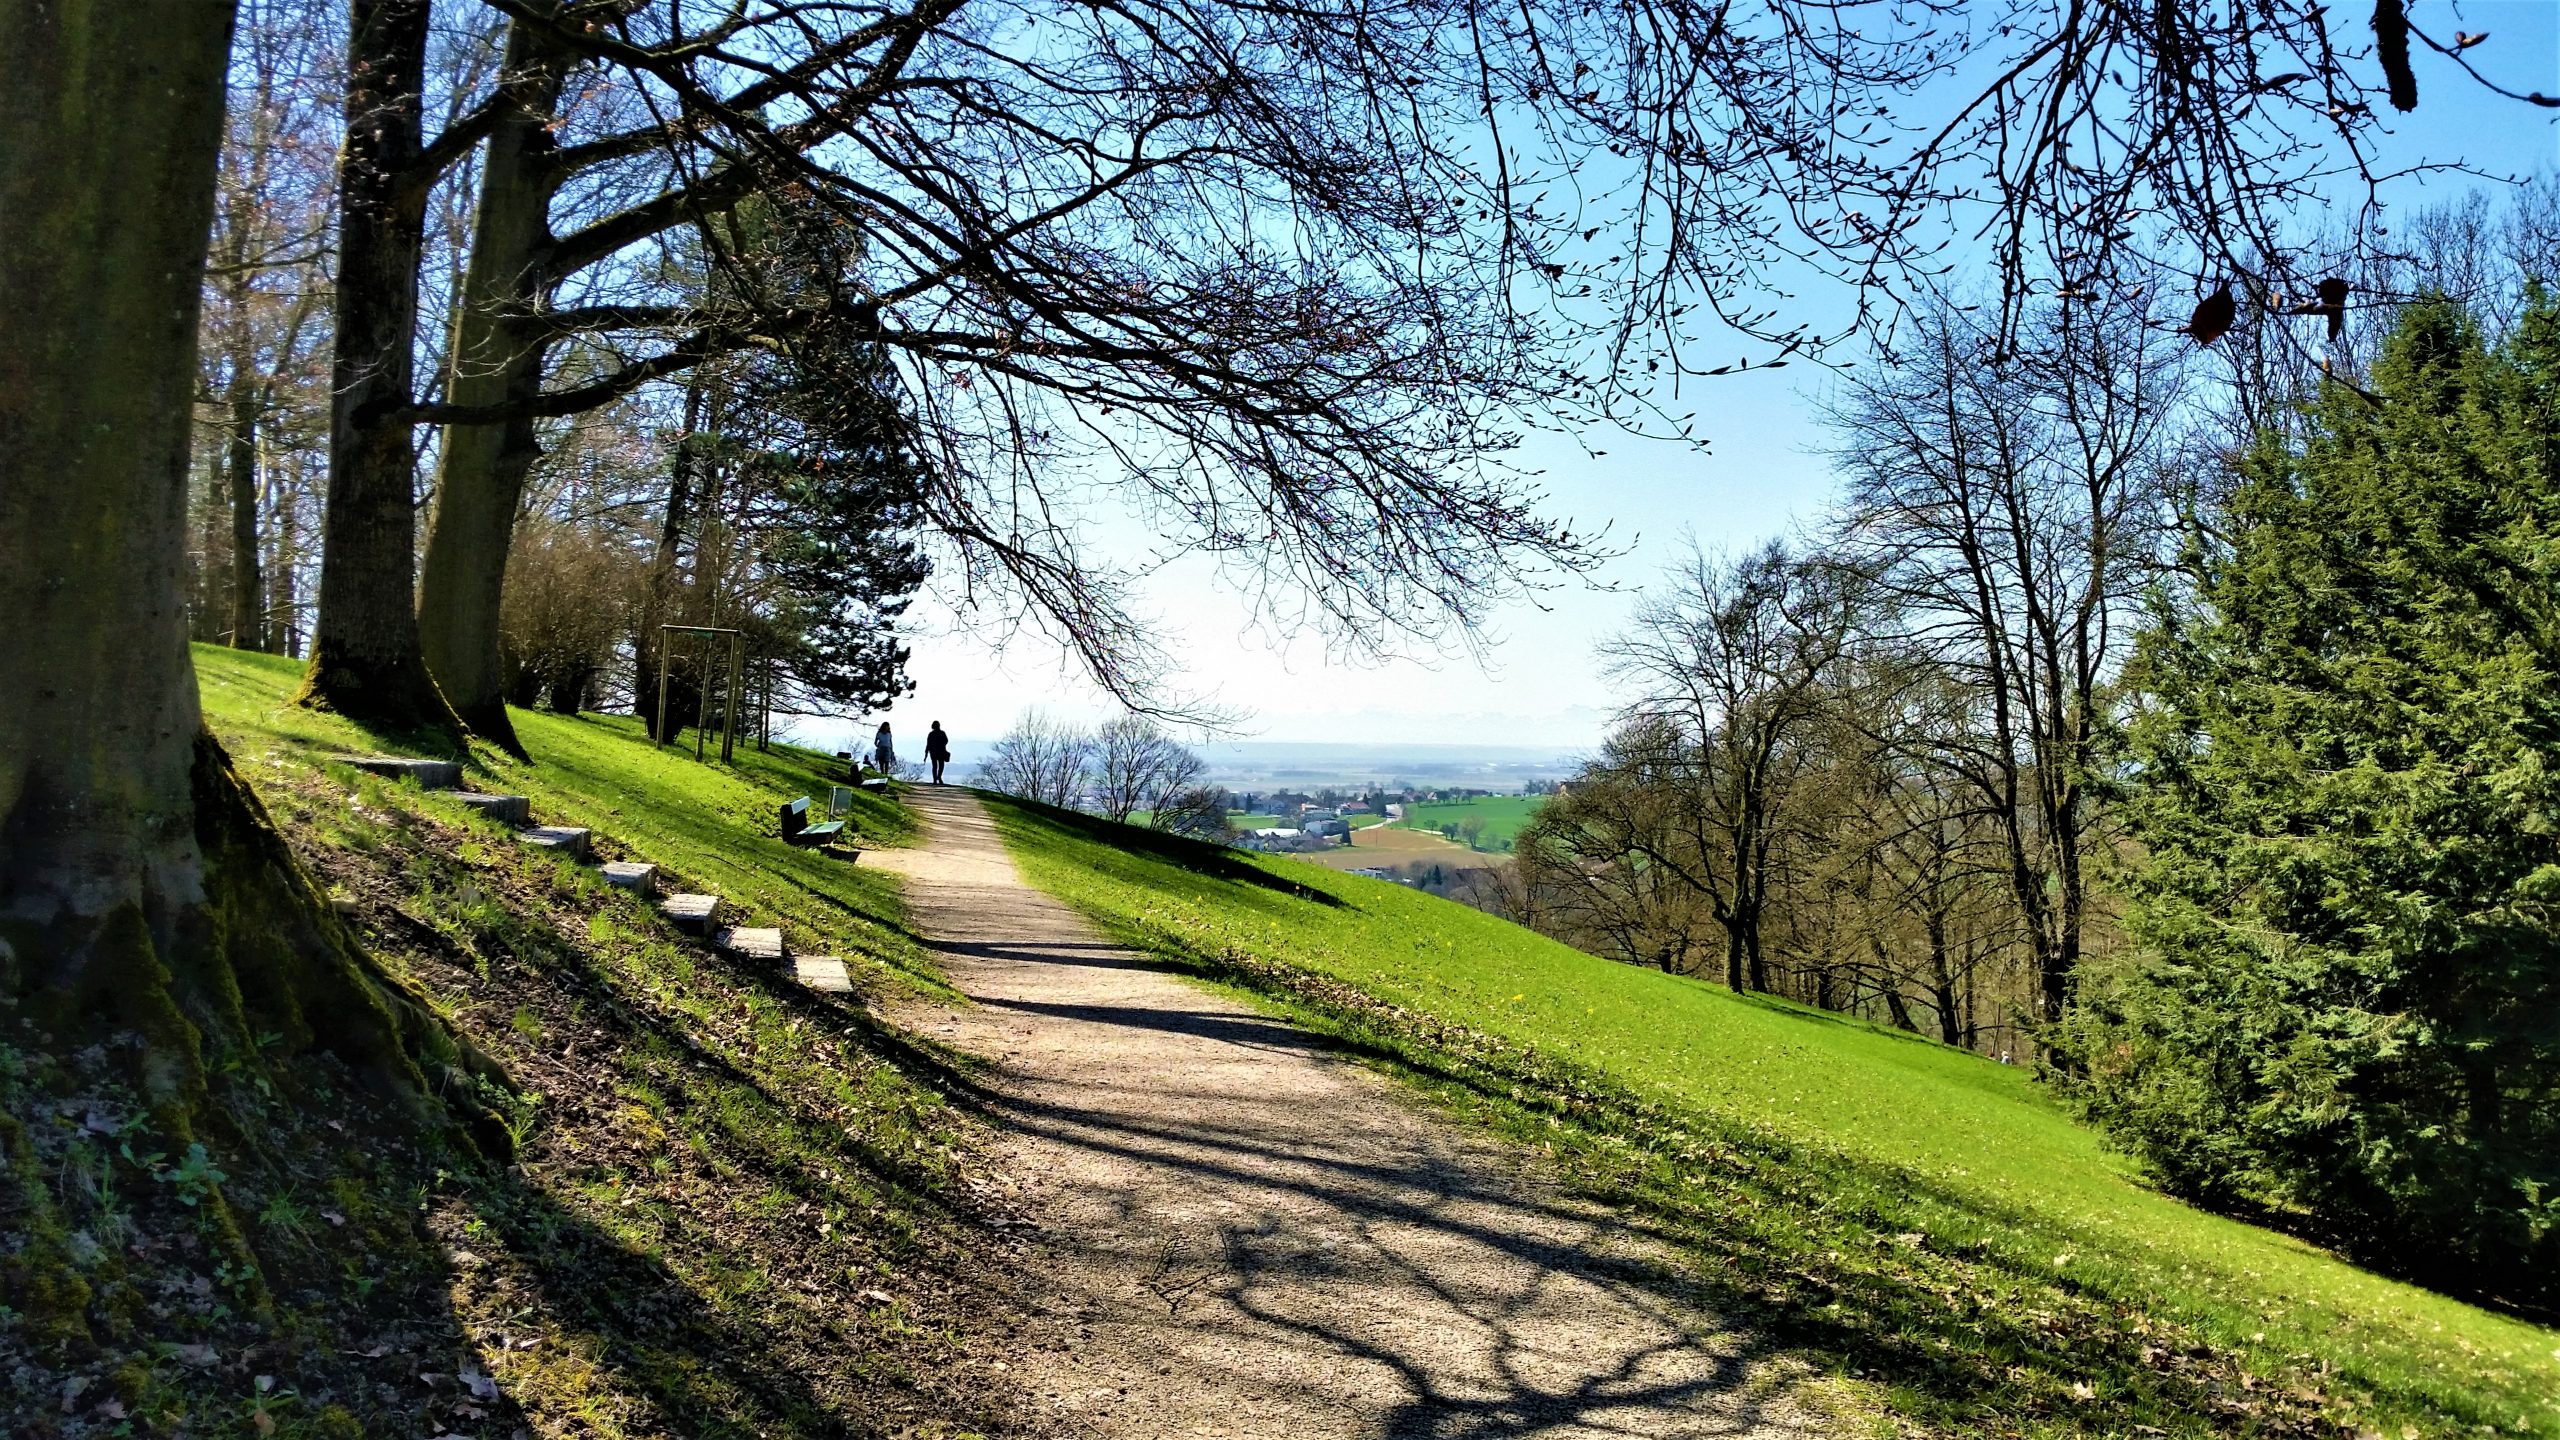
(1241, 1235)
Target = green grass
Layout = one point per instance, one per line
(736, 1208)
(1503, 815)
(711, 827)
(1899, 1209)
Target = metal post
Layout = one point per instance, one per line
(664, 640)
(729, 725)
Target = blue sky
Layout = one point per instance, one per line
(1534, 676)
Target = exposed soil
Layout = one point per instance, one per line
(1234, 1232)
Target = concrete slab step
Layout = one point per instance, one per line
(513, 810)
(430, 774)
(638, 876)
(751, 942)
(823, 973)
(692, 914)
(568, 839)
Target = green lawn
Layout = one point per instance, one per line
(713, 827)
(1503, 815)
(735, 1207)
(1897, 1208)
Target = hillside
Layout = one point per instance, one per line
(736, 1207)
(1501, 815)
(1906, 1212)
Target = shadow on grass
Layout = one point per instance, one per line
(764, 1330)
(1969, 1337)
(1198, 857)
(1811, 1016)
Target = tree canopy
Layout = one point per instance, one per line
(2346, 998)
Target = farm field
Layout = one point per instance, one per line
(1904, 1211)
(1503, 815)
(1393, 845)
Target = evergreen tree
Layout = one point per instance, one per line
(2345, 1001)
(845, 483)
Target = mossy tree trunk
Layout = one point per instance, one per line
(499, 352)
(366, 661)
(142, 889)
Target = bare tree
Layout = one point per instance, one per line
(365, 658)
(266, 294)
(1073, 248)
(1736, 663)
(1196, 810)
(2010, 500)
(1587, 856)
(1137, 766)
(1041, 758)
(569, 604)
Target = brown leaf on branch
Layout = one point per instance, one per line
(2213, 315)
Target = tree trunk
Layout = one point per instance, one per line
(1942, 989)
(142, 888)
(497, 358)
(569, 689)
(649, 647)
(248, 586)
(365, 657)
(284, 621)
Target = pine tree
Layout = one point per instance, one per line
(2345, 1006)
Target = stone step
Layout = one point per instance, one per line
(751, 942)
(692, 914)
(638, 876)
(430, 774)
(568, 839)
(824, 973)
(513, 810)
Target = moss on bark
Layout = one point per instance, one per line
(395, 697)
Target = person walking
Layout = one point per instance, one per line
(884, 752)
(937, 750)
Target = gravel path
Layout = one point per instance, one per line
(1241, 1235)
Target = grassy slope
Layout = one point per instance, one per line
(738, 1208)
(1910, 1211)
(1503, 815)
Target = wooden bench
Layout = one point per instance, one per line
(797, 829)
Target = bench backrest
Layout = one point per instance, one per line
(795, 816)
(839, 801)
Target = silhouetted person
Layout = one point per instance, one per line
(884, 753)
(937, 750)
